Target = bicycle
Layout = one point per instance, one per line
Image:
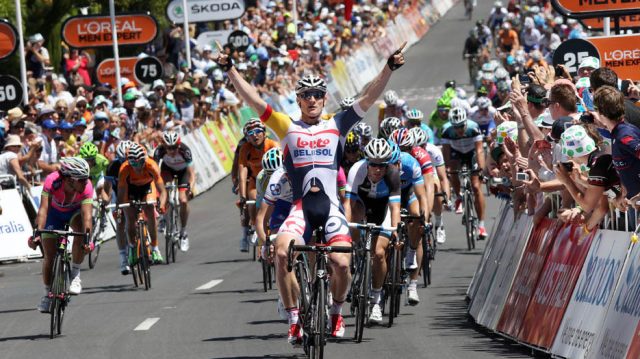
(428, 246)
(140, 269)
(60, 276)
(268, 267)
(99, 222)
(244, 218)
(473, 67)
(313, 294)
(173, 223)
(469, 218)
(394, 282)
(361, 281)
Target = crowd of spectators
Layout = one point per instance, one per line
(565, 145)
(68, 106)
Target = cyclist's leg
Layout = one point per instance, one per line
(251, 195)
(414, 236)
(55, 220)
(479, 197)
(357, 215)
(183, 199)
(454, 165)
(78, 242)
(379, 268)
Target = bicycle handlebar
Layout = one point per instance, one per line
(371, 227)
(135, 203)
(172, 186)
(58, 232)
(474, 171)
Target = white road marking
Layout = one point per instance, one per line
(147, 323)
(210, 284)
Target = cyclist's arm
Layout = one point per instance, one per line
(123, 186)
(446, 153)
(374, 89)
(108, 186)
(246, 91)
(41, 218)
(191, 178)
(244, 172)
(429, 193)
(444, 180)
(159, 182)
(261, 220)
(480, 155)
(86, 210)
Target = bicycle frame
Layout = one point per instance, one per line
(142, 243)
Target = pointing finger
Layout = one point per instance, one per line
(402, 46)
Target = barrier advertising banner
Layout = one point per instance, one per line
(555, 285)
(526, 279)
(94, 31)
(491, 267)
(106, 71)
(477, 277)
(205, 10)
(15, 227)
(619, 332)
(507, 266)
(215, 139)
(592, 295)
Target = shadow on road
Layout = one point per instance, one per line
(227, 261)
(247, 337)
(119, 288)
(271, 321)
(453, 320)
(237, 291)
(16, 310)
(25, 337)
(284, 356)
(256, 301)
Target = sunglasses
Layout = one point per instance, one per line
(82, 182)
(172, 148)
(136, 164)
(255, 132)
(378, 165)
(318, 95)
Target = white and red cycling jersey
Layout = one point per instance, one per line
(423, 158)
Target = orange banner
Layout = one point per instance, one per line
(106, 71)
(95, 31)
(8, 39)
(620, 53)
(584, 6)
(555, 286)
(626, 22)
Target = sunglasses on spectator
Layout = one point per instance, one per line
(378, 165)
(61, 108)
(318, 95)
(255, 132)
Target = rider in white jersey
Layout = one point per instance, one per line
(312, 153)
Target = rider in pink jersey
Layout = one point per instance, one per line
(312, 151)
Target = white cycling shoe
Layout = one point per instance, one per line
(376, 315)
(441, 235)
(412, 296)
(410, 261)
(76, 286)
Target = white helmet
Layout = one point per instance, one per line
(311, 82)
(457, 116)
(121, 150)
(414, 115)
(171, 138)
(502, 74)
(272, 160)
(388, 125)
(403, 138)
(378, 150)
(420, 137)
(483, 102)
(461, 93)
(74, 167)
(576, 142)
(391, 98)
(362, 130)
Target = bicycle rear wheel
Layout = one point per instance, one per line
(305, 291)
(143, 259)
(426, 260)
(265, 274)
(168, 235)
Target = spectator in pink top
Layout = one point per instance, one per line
(78, 68)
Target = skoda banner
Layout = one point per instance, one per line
(206, 10)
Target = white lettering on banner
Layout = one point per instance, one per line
(585, 315)
(628, 301)
(611, 348)
(530, 260)
(101, 27)
(15, 227)
(619, 55)
(554, 285)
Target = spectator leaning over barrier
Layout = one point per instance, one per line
(605, 76)
(9, 163)
(48, 161)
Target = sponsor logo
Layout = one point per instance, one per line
(11, 227)
(319, 143)
(628, 300)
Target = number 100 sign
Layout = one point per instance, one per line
(10, 92)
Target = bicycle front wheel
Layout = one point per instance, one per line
(56, 291)
(320, 329)
(362, 309)
(143, 259)
(93, 255)
(394, 285)
(469, 220)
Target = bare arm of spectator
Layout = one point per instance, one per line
(519, 103)
(48, 168)
(587, 199)
(15, 168)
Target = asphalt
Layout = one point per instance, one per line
(235, 318)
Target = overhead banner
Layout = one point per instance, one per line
(95, 31)
(585, 314)
(526, 279)
(507, 266)
(106, 71)
(15, 227)
(555, 286)
(8, 39)
(619, 53)
(206, 10)
(626, 23)
(619, 333)
(595, 8)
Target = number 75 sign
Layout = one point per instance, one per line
(141, 70)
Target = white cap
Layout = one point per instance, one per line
(158, 83)
(590, 61)
(207, 47)
(142, 102)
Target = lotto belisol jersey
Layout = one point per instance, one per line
(312, 153)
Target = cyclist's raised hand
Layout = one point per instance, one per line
(396, 60)
(223, 60)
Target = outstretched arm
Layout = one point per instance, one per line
(375, 88)
(246, 91)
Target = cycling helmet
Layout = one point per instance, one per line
(171, 138)
(501, 74)
(88, 150)
(136, 153)
(363, 130)
(575, 142)
(74, 167)
(450, 84)
(414, 115)
(272, 160)
(391, 98)
(352, 143)
(347, 102)
(420, 137)
(311, 82)
(395, 152)
(483, 103)
(378, 150)
(388, 125)
(402, 137)
(121, 150)
(487, 67)
(461, 93)
(253, 123)
(457, 116)
(506, 129)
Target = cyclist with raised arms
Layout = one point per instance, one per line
(66, 198)
(140, 179)
(249, 165)
(111, 183)
(462, 144)
(415, 200)
(373, 189)
(313, 151)
(176, 161)
(98, 165)
(441, 180)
